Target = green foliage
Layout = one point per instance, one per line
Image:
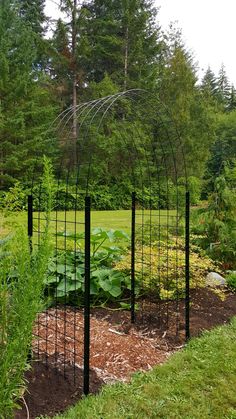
(22, 274)
(223, 151)
(15, 199)
(32, 13)
(223, 87)
(194, 187)
(209, 85)
(125, 40)
(191, 115)
(27, 107)
(101, 48)
(160, 269)
(109, 196)
(215, 225)
(65, 276)
(231, 280)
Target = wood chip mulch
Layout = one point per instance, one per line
(115, 355)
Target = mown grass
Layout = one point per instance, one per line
(107, 219)
(73, 222)
(196, 383)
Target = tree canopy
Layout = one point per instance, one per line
(97, 48)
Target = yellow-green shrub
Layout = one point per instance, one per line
(160, 268)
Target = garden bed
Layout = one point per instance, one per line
(117, 348)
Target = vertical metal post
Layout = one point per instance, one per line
(30, 235)
(187, 266)
(30, 220)
(132, 305)
(87, 295)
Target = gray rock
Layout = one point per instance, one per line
(214, 279)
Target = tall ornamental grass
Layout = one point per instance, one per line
(21, 284)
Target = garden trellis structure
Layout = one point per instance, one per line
(131, 130)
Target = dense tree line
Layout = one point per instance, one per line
(97, 48)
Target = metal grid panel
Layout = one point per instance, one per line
(157, 217)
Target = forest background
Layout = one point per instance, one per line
(103, 47)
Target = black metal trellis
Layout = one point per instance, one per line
(156, 263)
(132, 302)
(187, 267)
(87, 294)
(30, 219)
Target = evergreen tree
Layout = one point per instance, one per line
(70, 45)
(209, 84)
(26, 105)
(182, 97)
(124, 39)
(232, 99)
(223, 151)
(32, 14)
(61, 62)
(223, 87)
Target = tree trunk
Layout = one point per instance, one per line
(74, 88)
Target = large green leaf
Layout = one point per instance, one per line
(119, 234)
(60, 269)
(105, 284)
(93, 288)
(66, 286)
(69, 235)
(52, 266)
(51, 279)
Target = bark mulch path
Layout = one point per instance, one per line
(117, 348)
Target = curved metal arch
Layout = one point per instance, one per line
(87, 112)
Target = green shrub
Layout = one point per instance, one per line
(231, 281)
(22, 274)
(194, 187)
(114, 196)
(15, 199)
(214, 227)
(160, 269)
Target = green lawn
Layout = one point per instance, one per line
(62, 222)
(107, 219)
(197, 383)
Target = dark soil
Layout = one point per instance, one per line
(159, 319)
(50, 393)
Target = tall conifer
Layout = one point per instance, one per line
(124, 37)
(26, 107)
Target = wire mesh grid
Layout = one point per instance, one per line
(59, 330)
(150, 146)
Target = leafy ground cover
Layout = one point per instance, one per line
(66, 270)
(198, 382)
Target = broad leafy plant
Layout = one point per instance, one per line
(65, 276)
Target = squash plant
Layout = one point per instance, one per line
(65, 275)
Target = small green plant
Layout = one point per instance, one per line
(65, 276)
(231, 281)
(20, 301)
